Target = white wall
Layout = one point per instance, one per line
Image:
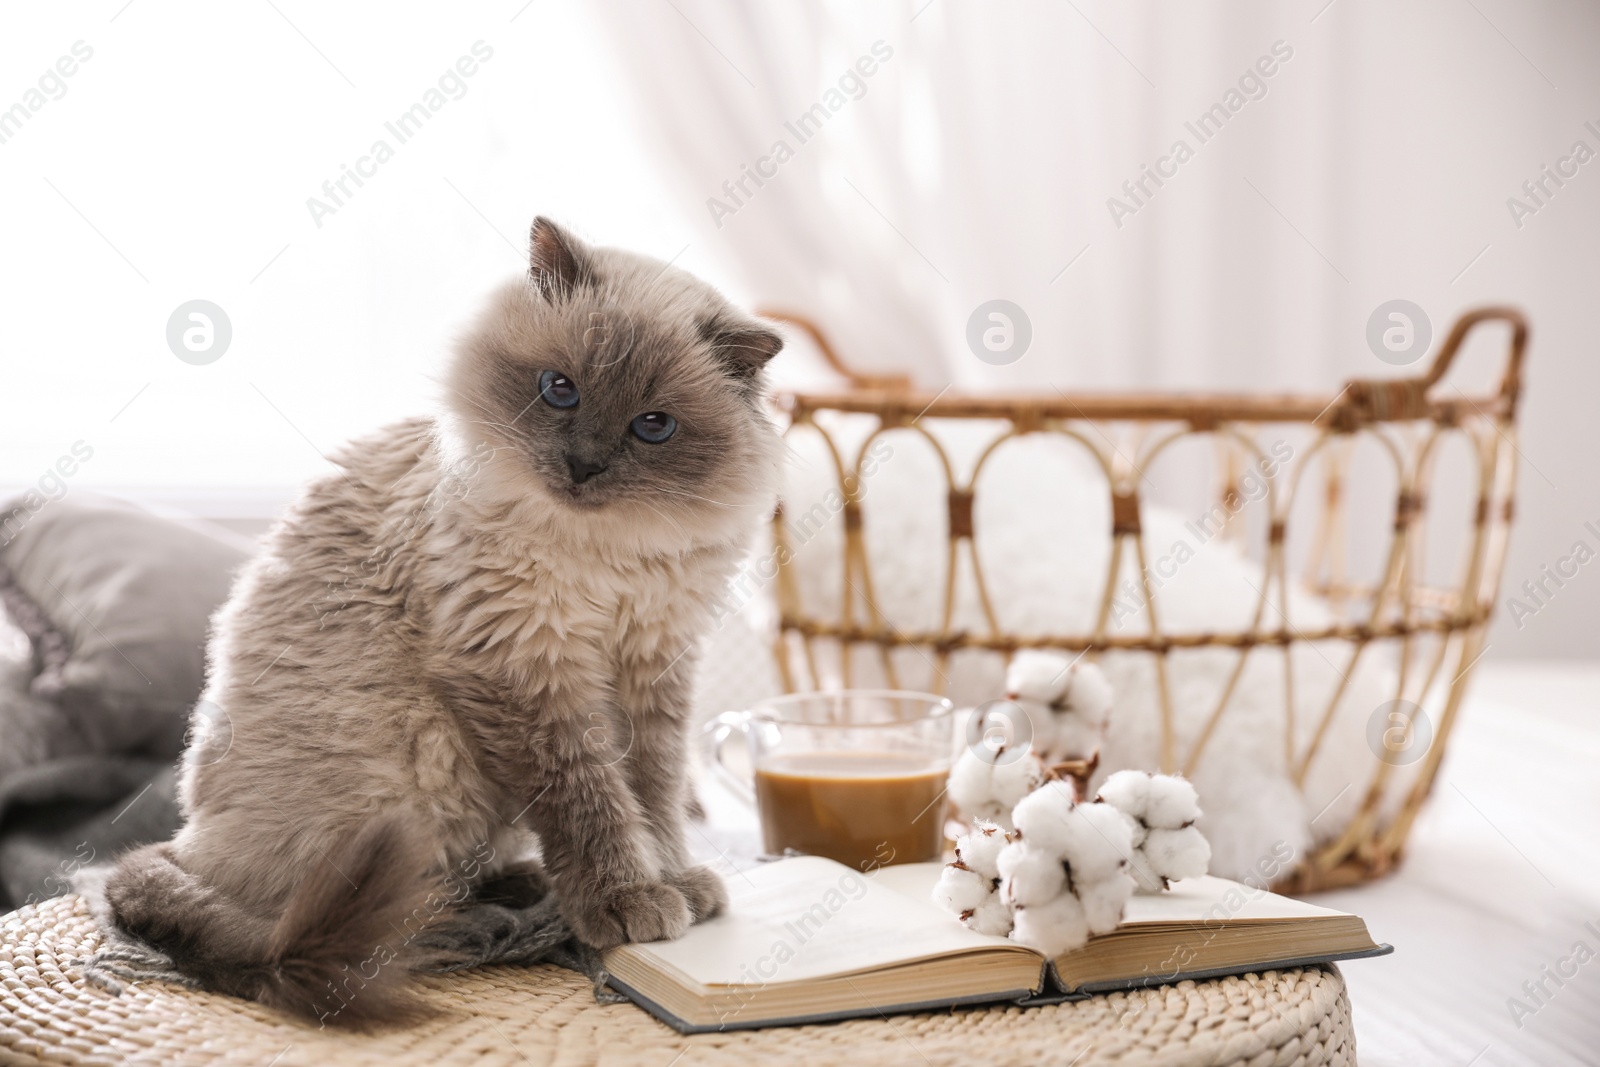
(178, 165)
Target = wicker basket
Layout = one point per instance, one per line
(1436, 629)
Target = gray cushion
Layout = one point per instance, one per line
(131, 594)
(68, 813)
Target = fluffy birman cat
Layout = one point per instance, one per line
(470, 645)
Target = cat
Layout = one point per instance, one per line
(478, 634)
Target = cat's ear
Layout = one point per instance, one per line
(742, 346)
(558, 263)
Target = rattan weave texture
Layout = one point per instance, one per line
(545, 1016)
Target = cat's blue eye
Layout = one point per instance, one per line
(558, 390)
(654, 426)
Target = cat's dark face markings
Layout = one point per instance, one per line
(618, 382)
(574, 403)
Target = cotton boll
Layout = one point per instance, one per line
(969, 784)
(1128, 792)
(1029, 875)
(980, 848)
(1172, 803)
(1145, 877)
(1015, 779)
(1042, 817)
(971, 788)
(1103, 902)
(1042, 727)
(1053, 928)
(1178, 854)
(959, 891)
(1067, 702)
(1098, 841)
(985, 790)
(993, 917)
(1088, 694)
(1037, 675)
(1009, 858)
(1004, 731)
(1137, 831)
(1074, 739)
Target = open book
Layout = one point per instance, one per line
(811, 940)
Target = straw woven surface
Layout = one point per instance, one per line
(543, 1015)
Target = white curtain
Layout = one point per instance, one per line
(976, 164)
(721, 85)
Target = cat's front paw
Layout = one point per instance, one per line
(635, 911)
(703, 890)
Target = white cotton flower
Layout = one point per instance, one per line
(1032, 684)
(1074, 740)
(979, 848)
(1145, 878)
(969, 781)
(1068, 702)
(1098, 842)
(1009, 859)
(989, 790)
(1052, 928)
(1128, 792)
(1083, 712)
(1103, 902)
(1041, 729)
(1173, 803)
(1015, 778)
(968, 888)
(1088, 694)
(959, 890)
(1137, 830)
(1066, 870)
(1176, 854)
(1042, 817)
(1161, 810)
(971, 788)
(1093, 840)
(993, 917)
(1029, 875)
(1037, 675)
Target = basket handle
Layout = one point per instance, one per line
(1367, 400)
(1511, 382)
(896, 383)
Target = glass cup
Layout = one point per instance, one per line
(857, 775)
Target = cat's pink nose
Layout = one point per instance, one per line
(582, 469)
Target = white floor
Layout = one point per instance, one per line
(1502, 875)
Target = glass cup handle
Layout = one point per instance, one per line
(713, 739)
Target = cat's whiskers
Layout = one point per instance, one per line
(664, 515)
(495, 425)
(696, 496)
(455, 393)
(459, 395)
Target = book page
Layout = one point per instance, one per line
(1212, 899)
(804, 918)
(914, 881)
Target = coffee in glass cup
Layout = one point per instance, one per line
(856, 775)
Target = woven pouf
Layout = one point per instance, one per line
(544, 1015)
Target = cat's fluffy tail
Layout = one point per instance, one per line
(335, 956)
